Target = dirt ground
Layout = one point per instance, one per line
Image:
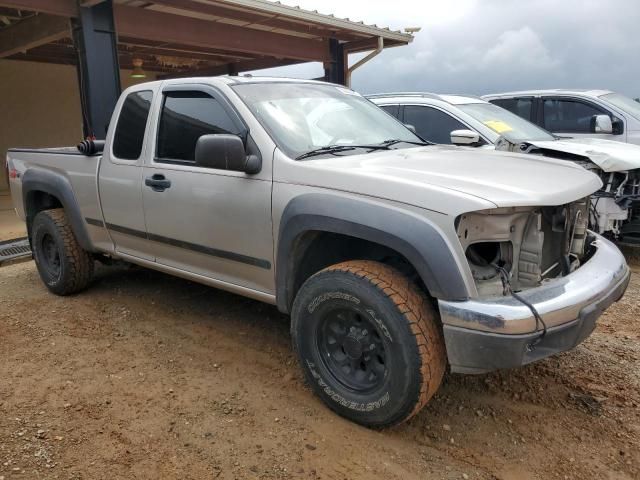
(146, 376)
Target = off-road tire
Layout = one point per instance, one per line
(405, 323)
(52, 238)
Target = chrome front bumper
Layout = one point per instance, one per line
(500, 332)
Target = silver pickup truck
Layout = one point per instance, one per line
(396, 259)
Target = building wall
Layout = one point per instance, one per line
(39, 107)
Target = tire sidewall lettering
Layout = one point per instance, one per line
(383, 328)
(366, 309)
(338, 300)
(317, 301)
(337, 295)
(336, 397)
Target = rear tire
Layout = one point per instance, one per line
(368, 341)
(63, 265)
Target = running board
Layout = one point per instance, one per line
(14, 250)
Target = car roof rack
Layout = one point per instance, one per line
(405, 94)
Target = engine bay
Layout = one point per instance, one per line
(529, 245)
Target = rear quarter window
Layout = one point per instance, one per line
(132, 122)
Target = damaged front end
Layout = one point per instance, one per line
(542, 281)
(529, 245)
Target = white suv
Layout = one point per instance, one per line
(474, 122)
(576, 113)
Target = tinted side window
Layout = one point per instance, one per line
(132, 122)
(185, 117)
(392, 110)
(520, 106)
(432, 124)
(569, 115)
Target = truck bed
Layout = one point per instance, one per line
(80, 170)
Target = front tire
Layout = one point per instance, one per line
(368, 341)
(63, 265)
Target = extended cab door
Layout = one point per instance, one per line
(120, 175)
(205, 221)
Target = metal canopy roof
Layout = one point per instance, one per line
(195, 37)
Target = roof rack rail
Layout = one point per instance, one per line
(404, 94)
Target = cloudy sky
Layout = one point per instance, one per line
(483, 46)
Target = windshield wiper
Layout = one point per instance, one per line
(332, 149)
(394, 141)
(326, 149)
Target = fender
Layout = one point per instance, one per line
(59, 186)
(419, 241)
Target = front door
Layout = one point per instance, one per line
(432, 124)
(209, 222)
(120, 178)
(571, 117)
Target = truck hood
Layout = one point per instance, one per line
(450, 179)
(609, 155)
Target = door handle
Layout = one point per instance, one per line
(157, 182)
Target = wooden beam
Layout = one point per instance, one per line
(11, 13)
(237, 67)
(53, 49)
(255, 17)
(69, 8)
(134, 50)
(73, 60)
(367, 44)
(90, 3)
(182, 50)
(62, 8)
(38, 59)
(147, 24)
(151, 25)
(32, 32)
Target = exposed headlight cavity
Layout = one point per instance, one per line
(484, 256)
(531, 244)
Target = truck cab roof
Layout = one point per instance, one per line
(227, 80)
(425, 97)
(551, 91)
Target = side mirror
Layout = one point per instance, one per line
(225, 152)
(601, 124)
(411, 127)
(464, 137)
(618, 126)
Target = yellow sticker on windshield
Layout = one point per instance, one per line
(498, 126)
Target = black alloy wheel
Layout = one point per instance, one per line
(352, 349)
